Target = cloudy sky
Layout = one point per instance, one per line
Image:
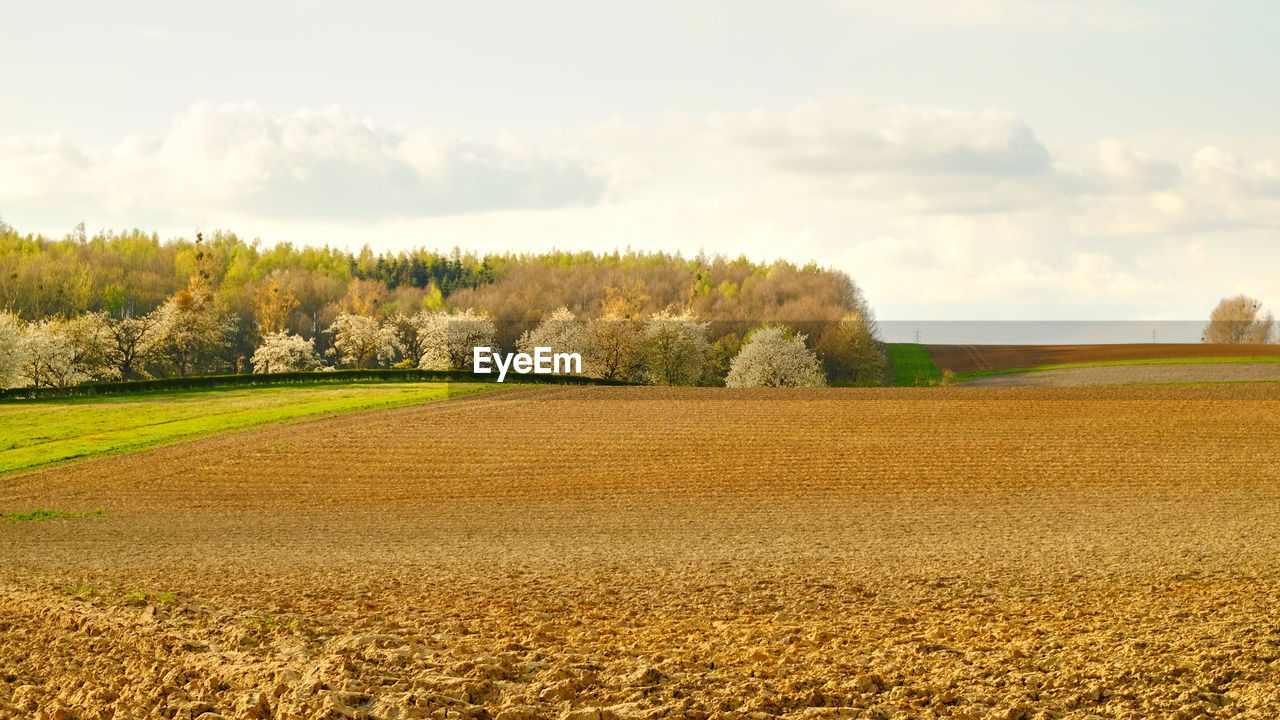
(962, 159)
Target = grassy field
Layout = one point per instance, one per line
(36, 433)
(911, 364)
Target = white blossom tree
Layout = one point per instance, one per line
(12, 350)
(362, 341)
(59, 353)
(774, 356)
(40, 349)
(283, 352)
(563, 332)
(674, 347)
(447, 339)
(89, 340)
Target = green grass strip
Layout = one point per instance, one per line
(45, 432)
(208, 382)
(911, 364)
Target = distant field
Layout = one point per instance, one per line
(967, 359)
(35, 433)
(911, 364)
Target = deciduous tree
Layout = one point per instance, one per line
(283, 352)
(448, 339)
(193, 328)
(775, 356)
(273, 304)
(563, 332)
(851, 353)
(1239, 319)
(12, 349)
(616, 333)
(45, 355)
(363, 342)
(674, 347)
(131, 343)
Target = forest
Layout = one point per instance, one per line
(218, 298)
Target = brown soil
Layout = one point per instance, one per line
(972, 358)
(594, 553)
(1126, 374)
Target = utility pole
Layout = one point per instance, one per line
(917, 336)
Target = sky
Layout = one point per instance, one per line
(1056, 160)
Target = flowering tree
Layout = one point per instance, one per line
(13, 350)
(54, 352)
(563, 333)
(774, 356)
(49, 358)
(282, 352)
(447, 339)
(362, 342)
(674, 347)
(60, 353)
(88, 338)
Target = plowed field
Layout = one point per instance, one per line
(1135, 374)
(963, 359)
(599, 553)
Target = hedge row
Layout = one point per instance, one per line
(287, 378)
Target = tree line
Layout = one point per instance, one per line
(121, 306)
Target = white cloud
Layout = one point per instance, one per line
(33, 165)
(1120, 168)
(327, 164)
(849, 136)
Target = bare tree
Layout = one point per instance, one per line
(1237, 320)
(131, 343)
